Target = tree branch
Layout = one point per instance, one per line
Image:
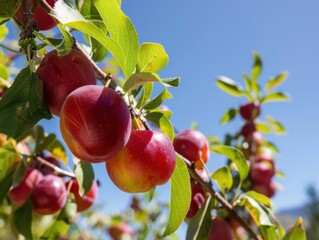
(59, 171)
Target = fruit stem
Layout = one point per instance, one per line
(59, 171)
(208, 187)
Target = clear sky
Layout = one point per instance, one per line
(205, 39)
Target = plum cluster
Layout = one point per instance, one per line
(49, 192)
(263, 166)
(96, 125)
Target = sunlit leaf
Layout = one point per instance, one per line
(180, 197)
(161, 121)
(256, 69)
(138, 79)
(236, 157)
(275, 96)
(276, 126)
(223, 178)
(84, 175)
(151, 57)
(297, 232)
(274, 82)
(263, 127)
(229, 86)
(158, 100)
(229, 115)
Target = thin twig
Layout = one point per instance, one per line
(58, 170)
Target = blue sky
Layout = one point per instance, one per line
(205, 39)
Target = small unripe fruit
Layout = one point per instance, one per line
(248, 129)
(197, 200)
(250, 111)
(192, 145)
(147, 160)
(119, 231)
(43, 20)
(86, 201)
(49, 195)
(220, 230)
(95, 123)
(63, 74)
(20, 193)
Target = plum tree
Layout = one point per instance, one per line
(90, 138)
(146, 161)
(49, 195)
(43, 20)
(63, 74)
(86, 201)
(249, 111)
(192, 145)
(20, 193)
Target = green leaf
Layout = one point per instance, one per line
(276, 126)
(23, 219)
(180, 197)
(297, 232)
(271, 146)
(157, 101)
(161, 121)
(8, 8)
(57, 228)
(229, 115)
(122, 43)
(19, 173)
(229, 86)
(256, 210)
(22, 106)
(199, 226)
(6, 183)
(146, 94)
(263, 127)
(256, 69)
(68, 212)
(8, 156)
(98, 50)
(48, 41)
(248, 82)
(66, 45)
(269, 232)
(171, 82)
(236, 157)
(151, 57)
(138, 79)
(275, 96)
(260, 198)
(87, 9)
(223, 178)
(274, 82)
(84, 175)
(46, 142)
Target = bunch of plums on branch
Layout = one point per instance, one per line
(96, 125)
(263, 166)
(48, 192)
